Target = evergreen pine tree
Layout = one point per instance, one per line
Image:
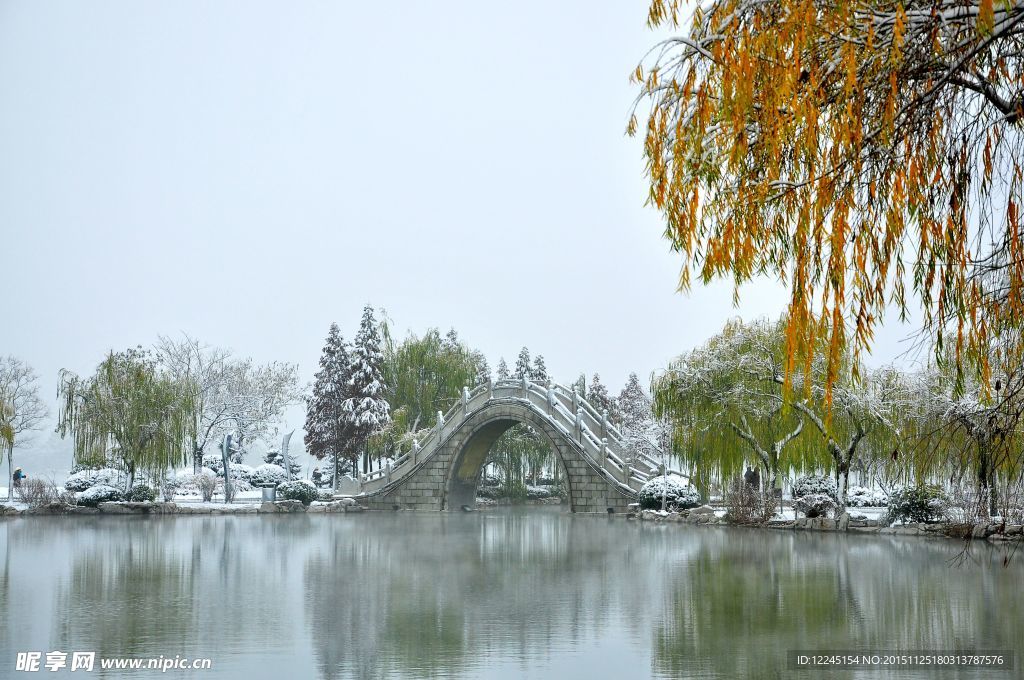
(523, 369)
(483, 369)
(366, 409)
(539, 372)
(598, 396)
(450, 343)
(503, 373)
(327, 432)
(634, 406)
(636, 418)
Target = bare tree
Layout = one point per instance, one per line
(232, 395)
(21, 409)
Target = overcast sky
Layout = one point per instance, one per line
(249, 172)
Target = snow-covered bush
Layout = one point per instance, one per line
(863, 497)
(206, 484)
(815, 504)
(268, 474)
(537, 492)
(677, 493)
(276, 458)
(88, 478)
(37, 493)
(241, 472)
(921, 503)
(325, 495)
(815, 484)
(141, 493)
(101, 493)
(298, 490)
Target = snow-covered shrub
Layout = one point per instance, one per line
(538, 492)
(276, 458)
(88, 478)
(921, 503)
(169, 486)
(101, 493)
(141, 493)
(746, 504)
(214, 462)
(677, 493)
(325, 495)
(298, 490)
(206, 485)
(863, 497)
(815, 484)
(241, 472)
(815, 504)
(37, 493)
(268, 474)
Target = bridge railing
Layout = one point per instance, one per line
(573, 415)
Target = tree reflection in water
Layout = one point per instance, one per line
(495, 594)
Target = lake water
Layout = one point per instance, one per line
(531, 593)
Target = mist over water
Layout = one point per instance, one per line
(496, 594)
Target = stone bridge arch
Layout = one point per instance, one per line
(444, 472)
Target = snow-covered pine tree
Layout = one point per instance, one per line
(599, 398)
(634, 406)
(483, 369)
(366, 409)
(539, 371)
(640, 429)
(503, 373)
(523, 369)
(327, 432)
(580, 385)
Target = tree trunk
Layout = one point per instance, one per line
(10, 474)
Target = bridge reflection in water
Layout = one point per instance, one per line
(497, 594)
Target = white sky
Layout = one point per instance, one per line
(250, 171)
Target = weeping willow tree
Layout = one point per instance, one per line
(726, 404)
(130, 411)
(426, 374)
(969, 434)
(521, 455)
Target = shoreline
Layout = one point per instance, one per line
(993, 532)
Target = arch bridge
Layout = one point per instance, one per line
(442, 471)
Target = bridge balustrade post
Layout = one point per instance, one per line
(579, 424)
(551, 400)
(415, 450)
(490, 388)
(465, 400)
(526, 387)
(575, 400)
(604, 423)
(388, 473)
(604, 451)
(440, 424)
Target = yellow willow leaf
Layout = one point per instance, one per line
(986, 17)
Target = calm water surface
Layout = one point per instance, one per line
(498, 594)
